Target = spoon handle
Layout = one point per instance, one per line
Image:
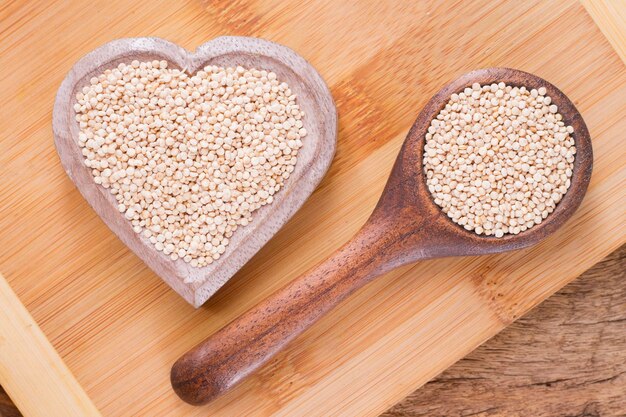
(235, 351)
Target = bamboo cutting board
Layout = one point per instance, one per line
(119, 328)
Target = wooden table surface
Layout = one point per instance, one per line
(567, 357)
(119, 328)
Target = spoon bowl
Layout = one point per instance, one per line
(406, 226)
(406, 195)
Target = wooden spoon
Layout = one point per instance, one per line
(406, 226)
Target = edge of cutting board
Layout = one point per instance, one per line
(49, 370)
(36, 366)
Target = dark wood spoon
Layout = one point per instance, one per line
(406, 226)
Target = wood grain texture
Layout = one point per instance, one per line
(314, 157)
(7, 407)
(119, 328)
(406, 226)
(536, 361)
(610, 16)
(31, 370)
(567, 357)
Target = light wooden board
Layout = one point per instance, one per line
(610, 16)
(29, 364)
(533, 367)
(119, 328)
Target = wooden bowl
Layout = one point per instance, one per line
(314, 157)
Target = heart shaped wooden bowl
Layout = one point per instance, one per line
(406, 226)
(314, 157)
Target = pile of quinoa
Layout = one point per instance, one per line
(498, 158)
(189, 158)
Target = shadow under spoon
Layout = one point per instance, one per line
(406, 226)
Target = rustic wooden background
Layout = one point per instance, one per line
(567, 357)
(119, 328)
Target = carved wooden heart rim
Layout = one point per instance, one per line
(314, 157)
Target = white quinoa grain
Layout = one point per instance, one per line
(498, 158)
(189, 158)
